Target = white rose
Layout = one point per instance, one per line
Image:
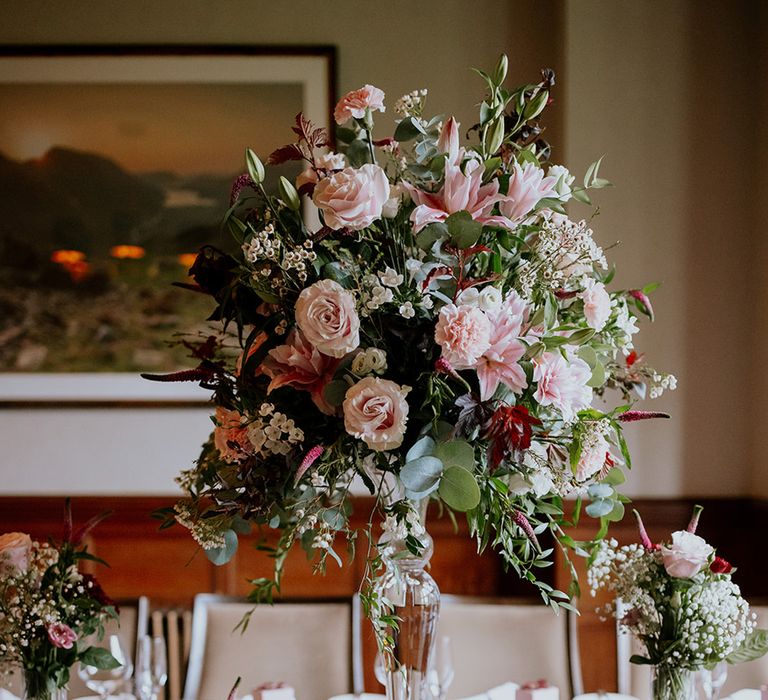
(326, 315)
(469, 297)
(687, 555)
(490, 299)
(376, 412)
(15, 549)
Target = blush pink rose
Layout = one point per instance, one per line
(376, 412)
(597, 304)
(687, 555)
(61, 635)
(354, 103)
(464, 334)
(302, 366)
(326, 315)
(352, 198)
(15, 548)
(527, 185)
(230, 436)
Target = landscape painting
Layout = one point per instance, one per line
(108, 188)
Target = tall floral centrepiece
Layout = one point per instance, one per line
(441, 333)
(678, 599)
(49, 610)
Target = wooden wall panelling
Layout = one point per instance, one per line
(169, 567)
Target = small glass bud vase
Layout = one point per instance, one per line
(670, 682)
(38, 686)
(409, 593)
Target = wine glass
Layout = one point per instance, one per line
(151, 667)
(105, 682)
(441, 672)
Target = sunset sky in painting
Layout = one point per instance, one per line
(183, 128)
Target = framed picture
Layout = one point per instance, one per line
(116, 164)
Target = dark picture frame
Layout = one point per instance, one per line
(311, 68)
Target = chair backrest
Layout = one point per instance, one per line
(495, 640)
(133, 622)
(636, 680)
(305, 643)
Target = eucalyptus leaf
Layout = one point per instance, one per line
(421, 474)
(221, 555)
(423, 446)
(599, 508)
(456, 453)
(459, 489)
(602, 490)
(617, 512)
(598, 376)
(408, 129)
(615, 477)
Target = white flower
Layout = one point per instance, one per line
(390, 278)
(469, 297)
(406, 310)
(377, 360)
(687, 555)
(412, 267)
(382, 295)
(563, 181)
(490, 299)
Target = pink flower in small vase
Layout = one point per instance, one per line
(687, 555)
(354, 103)
(61, 635)
(499, 363)
(301, 365)
(527, 186)
(462, 190)
(464, 334)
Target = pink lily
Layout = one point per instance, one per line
(527, 185)
(462, 190)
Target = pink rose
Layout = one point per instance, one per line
(687, 555)
(352, 198)
(597, 304)
(376, 412)
(527, 186)
(354, 103)
(302, 366)
(464, 334)
(326, 315)
(230, 436)
(15, 548)
(61, 635)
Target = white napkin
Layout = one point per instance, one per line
(364, 696)
(7, 695)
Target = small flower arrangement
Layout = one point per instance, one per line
(429, 315)
(48, 609)
(678, 599)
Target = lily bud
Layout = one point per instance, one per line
(255, 166)
(500, 72)
(288, 194)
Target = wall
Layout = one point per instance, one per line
(667, 90)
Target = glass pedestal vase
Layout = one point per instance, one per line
(709, 682)
(407, 591)
(669, 682)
